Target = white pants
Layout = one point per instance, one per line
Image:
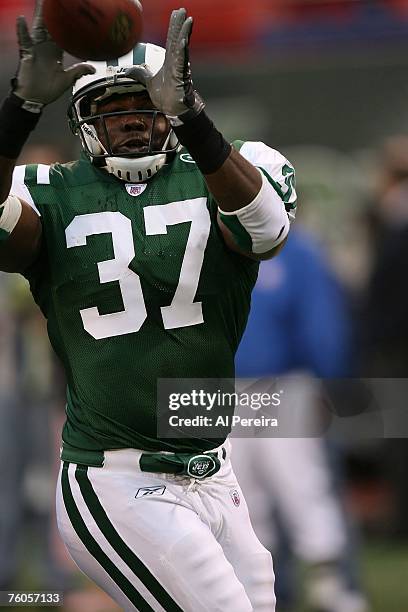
(157, 542)
(292, 474)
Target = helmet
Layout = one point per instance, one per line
(108, 80)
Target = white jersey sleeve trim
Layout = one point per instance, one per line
(43, 174)
(20, 189)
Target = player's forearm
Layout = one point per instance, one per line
(16, 124)
(233, 181)
(20, 226)
(235, 184)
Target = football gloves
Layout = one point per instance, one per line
(171, 89)
(41, 78)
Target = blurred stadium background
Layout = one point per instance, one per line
(325, 82)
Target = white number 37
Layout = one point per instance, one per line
(183, 311)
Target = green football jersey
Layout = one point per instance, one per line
(136, 284)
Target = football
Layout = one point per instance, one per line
(94, 29)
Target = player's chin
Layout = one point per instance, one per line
(131, 150)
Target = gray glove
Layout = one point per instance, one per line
(41, 78)
(171, 89)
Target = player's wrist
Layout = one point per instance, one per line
(192, 105)
(26, 104)
(206, 145)
(18, 117)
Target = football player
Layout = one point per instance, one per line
(142, 256)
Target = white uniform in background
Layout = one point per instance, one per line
(292, 476)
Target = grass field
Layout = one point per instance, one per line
(384, 571)
(385, 574)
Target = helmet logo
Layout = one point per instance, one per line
(135, 189)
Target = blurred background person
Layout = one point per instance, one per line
(299, 325)
(10, 454)
(386, 303)
(384, 319)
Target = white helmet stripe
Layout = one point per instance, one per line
(135, 57)
(154, 57)
(126, 60)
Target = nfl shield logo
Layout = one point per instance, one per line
(235, 497)
(135, 189)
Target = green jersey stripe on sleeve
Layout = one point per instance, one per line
(4, 234)
(240, 235)
(31, 174)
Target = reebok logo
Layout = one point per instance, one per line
(148, 491)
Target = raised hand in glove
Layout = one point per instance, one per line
(41, 78)
(171, 89)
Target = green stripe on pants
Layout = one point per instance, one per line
(123, 550)
(95, 550)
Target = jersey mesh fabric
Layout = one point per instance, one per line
(111, 398)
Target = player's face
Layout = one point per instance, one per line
(130, 133)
